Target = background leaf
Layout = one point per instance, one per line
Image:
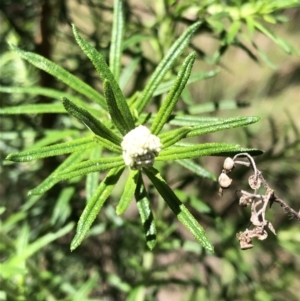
(182, 213)
(61, 74)
(94, 205)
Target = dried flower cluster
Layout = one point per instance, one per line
(258, 202)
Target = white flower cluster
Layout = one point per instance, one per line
(140, 148)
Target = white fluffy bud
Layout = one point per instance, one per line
(140, 147)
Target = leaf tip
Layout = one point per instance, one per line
(151, 244)
(74, 244)
(9, 157)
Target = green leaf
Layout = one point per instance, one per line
(92, 179)
(50, 181)
(116, 109)
(224, 124)
(144, 208)
(250, 24)
(91, 122)
(107, 144)
(128, 192)
(173, 54)
(187, 151)
(188, 120)
(115, 52)
(94, 205)
(52, 150)
(62, 209)
(128, 72)
(280, 42)
(169, 103)
(33, 109)
(40, 243)
(266, 58)
(233, 30)
(35, 90)
(182, 213)
(53, 136)
(105, 73)
(171, 137)
(86, 167)
(61, 74)
(196, 169)
(194, 77)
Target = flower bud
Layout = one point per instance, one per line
(228, 164)
(224, 180)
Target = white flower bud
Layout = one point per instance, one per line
(228, 164)
(224, 180)
(140, 147)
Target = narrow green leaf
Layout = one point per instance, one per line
(196, 169)
(174, 52)
(194, 77)
(266, 58)
(188, 120)
(115, 112)
(107, 144)
(169, 103)
(224, 124)
(105, 73)
(171, 137)
(182, 213)
(233, 30)
(86, 167)
(199, 150)
(188, 220)
(280, 42)
(50, 181)
(94, 205)
(144, 208)
(128, 72)
(91, 122)
(250, 24)
(35, 90)
(135, 39)
(52, 137)
(115, 52)
(40, 243)
(186, 96)
(92, 179)
(61, 74)
(128, 192)
(62, 209)
(54, 108)
(52, 150)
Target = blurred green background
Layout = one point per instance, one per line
(113, 263)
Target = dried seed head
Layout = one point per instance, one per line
(140, 147)
(228, 164)
(263, 235)
(224, 180)
(245, 240)
(245, 201)
(254, 182)
(256, 219)
(246, 245)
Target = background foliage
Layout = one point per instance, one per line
(256, 77)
